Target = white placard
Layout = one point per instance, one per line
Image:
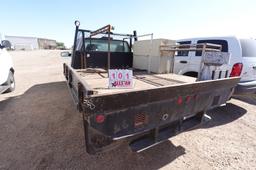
(216, 58)
(120, 78)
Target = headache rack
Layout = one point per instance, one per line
(106, 30)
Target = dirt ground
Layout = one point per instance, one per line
(41, 129)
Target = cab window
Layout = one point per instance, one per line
(223, 43)
(102, 45)
(183, 53)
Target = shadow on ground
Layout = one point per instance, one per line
(224, 114)
(41, 129)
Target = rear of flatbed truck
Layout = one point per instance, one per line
(159, 106)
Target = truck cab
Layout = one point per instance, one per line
(93, 52)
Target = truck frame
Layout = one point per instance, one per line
(157, 108)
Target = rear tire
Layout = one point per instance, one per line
(10, 82)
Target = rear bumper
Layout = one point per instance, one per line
(245, 88)
(160, 134)
(98, 142)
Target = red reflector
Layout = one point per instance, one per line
(100, 118)
(179, 101)
(236, 70)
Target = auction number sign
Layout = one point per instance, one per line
(120, 78)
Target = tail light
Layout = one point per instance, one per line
(180, 100)
(100, 118)
(236, 70)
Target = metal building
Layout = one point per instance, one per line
(30, 43)
(23, 43)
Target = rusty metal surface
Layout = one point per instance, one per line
(137, 97)
(104, 29)
(129, 99)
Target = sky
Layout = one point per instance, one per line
(173, 19)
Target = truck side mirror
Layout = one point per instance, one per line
(65, 54)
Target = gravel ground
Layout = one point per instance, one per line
(41, 129)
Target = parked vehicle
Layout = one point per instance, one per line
(7, 45)
(157, 107)
(242, 61)
(7, 81)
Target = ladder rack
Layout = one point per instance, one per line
(192, 47)
(204, 47)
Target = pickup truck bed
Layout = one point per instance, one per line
(158, 107)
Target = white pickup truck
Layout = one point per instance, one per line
(7, 81)
(242, 61)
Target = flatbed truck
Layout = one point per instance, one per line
(158, 107)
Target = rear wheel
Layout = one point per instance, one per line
(10, 82)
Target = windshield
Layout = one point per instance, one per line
(248, 47)
(102, 45)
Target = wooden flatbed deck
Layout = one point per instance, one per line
(98, 80)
